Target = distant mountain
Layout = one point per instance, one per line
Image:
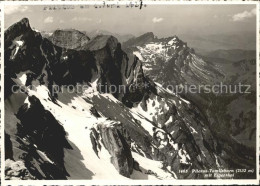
(170, 62)
(45, 34)
(136, 41)
(121, 37)
(226, 41)
(71, 39)
(232, 55)
(167, 57)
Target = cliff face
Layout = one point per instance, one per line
(170, 62)
(101, 58)
(44, 63)
(114, 140)
(36, 142)
(137, 41)
(142, 132)
(112, 62)
(70, 39)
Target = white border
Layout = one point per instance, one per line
(100, 2)
(2, 94)
(132, 182)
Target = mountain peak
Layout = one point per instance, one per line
(140, 40)
(22, 24)
(68, 31)
(17, 29)
(101, 41)
(147, 36)
(25, 21)
(69, 38)
(151, 34)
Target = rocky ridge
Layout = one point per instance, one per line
(70, 39)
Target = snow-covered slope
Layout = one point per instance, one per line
(171, 57)
(177, 67)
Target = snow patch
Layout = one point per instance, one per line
(184, 157)
(150, 168)
(26, 101)
(184, 100)
(172, 41)
(18, 45)
(44, 156)
(137, 54)
(22, 77)
(36, 30)
(169, 121)
(92, 89)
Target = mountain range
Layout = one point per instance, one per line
(204, 43)
(138, 130)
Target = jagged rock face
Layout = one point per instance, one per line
(121, 37)
(41, 142)
(70, 39)
(137, 41)
(112, 62)
(26, 51)
(115, 142)
(14, 41)
(238, 110)
(138, 85)
(16, 171)
(16, 29)
(48, 134)
(101, 58)
(170, 62)
(179, 143)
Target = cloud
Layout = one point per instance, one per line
(48, 20)
(61, 21)
(99, 21)
(10, 9)
(81, 19)
(157, 20)
(244, 15)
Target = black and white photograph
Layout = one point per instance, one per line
(130, 91)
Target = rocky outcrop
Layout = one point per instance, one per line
(17, 29)
(16, 170)
(111, 61)
(28, 52)
(70, 39)
(113, 139)
(173, 64)
(102, 57)
(138, 41)
(138, 85)
(174, 143)
(170, 62)
(37, 141)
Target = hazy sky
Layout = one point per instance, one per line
(161, 19)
